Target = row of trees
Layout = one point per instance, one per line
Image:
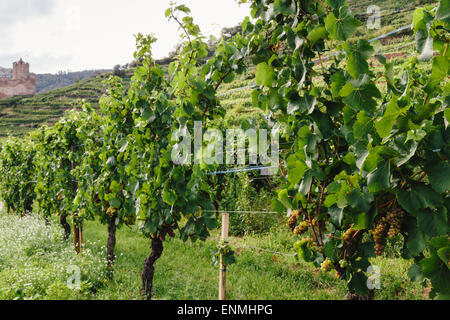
(362, 161)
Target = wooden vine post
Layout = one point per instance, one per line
(223, 267)
(77, 237)
(77, 225)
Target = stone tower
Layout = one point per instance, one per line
(22, 83)
(21, 70)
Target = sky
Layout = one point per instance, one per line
(76, 35)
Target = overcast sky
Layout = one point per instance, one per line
(77, 35)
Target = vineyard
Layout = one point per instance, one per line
(356, 206)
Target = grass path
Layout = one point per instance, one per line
(33, 265)
(185, 272)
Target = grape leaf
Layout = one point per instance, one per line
(439, 176)
(341, 28)
(379, 179)
(265, 74)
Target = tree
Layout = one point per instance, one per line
(118, 71)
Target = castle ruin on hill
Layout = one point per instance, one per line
(22, 82)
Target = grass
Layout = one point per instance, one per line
(34, 259)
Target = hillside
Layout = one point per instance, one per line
(21, 115)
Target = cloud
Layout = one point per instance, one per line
(58, 35)
(13, 11)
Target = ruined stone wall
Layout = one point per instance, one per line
(22, 82)
(11, 88)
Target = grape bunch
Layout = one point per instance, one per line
(301, 228)
(343, 263)
(327, 265)
(111, 211)
(379, 235)
(348, 235)
(292, 222)
(395, 219)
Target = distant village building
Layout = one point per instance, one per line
(22, 82)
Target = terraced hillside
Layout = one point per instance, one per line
(20, 115)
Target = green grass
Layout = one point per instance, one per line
(33, 266)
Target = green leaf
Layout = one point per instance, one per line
(169, 197)
(335, 4)
(284, 7)
(433, 223)
(420, 19)
(438, 243)
(416, 241)
(405, 149)
(428, 197)
(360, 201)
(438, 273)
(444, 254)
(447, 117)
(183, 8)
(409, 201)
(296, 169)
(384, 125)
(341, 28)
(337, 215)
(424, 45)
(358, 55)
(115, 203)
(389, 75)
(376, 156)
(168, 12)
(379, 180)
(361, 221)
(210, 221)
(363, 95)
(367, 250)
(265, 74)
(439, 176)
(278, 206)
(302, 104)
(363, 125)
(438, 73)
(443, 12)
(338, 82)
(415, 273)
(115, 187)
(316, 34)
(283, 197)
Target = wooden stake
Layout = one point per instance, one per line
(77, 237)
(223, 267)
(76, 234)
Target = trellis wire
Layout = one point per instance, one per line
(250, 212)
(240, 170)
